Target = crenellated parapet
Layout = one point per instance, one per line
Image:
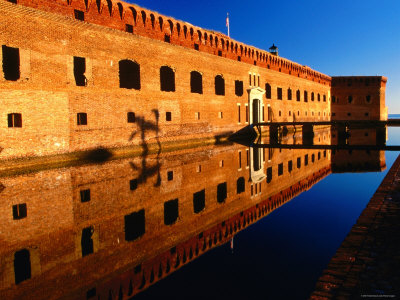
(140, 21)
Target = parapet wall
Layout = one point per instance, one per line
(132, 18)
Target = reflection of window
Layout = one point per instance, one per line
(22, 265)
(171, 212)
(298, 163)
(290, 166)
(221, 192)
(134, 225)
(269, 174)
(199, 201)
(280, 169)
(240, 185)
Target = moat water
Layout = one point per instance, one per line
(243, 245)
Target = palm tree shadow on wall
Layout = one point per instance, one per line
(146, 171)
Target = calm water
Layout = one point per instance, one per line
(121, 238)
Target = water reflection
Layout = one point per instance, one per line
(112, 230)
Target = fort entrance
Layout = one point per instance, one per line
(255, 104)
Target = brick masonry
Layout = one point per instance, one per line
(48, 37)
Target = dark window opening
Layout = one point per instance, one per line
(87, 241)
(306, 160)
(79, 71)
(368, 98)
(290, 166)
(196, 82)
(131, 117)
(324, 153)
(129, 74)
(221, 192)
(219, 85)
(268, 91)
(333, 99)
(14, 120)
(279, 92)
(19, 211)
(129, 28)
(348, 114)
(134, 225)
(22, 265)
(133, 184)
(240, 160)
(81, 119)
(171, 212)
(289, 94)
(312, 157)
(219, 53)
(167, 38)
(12, 1)
(319, 97)
(79, 15)
(11, 63)
(170, 175)
(297, 95)
(305, 96)
(366, 114)
(240, 185)
(238, 88)
(168, 116)
(196, 47)
(199, 201)
(324, 98)
(85, 195)
(91, 293)
(280, 169)
(269, 174)
(239, 58)
(255, 63)
(167, 79)
(319, 155)
(247, 113)
(312, 96)
(298, 163)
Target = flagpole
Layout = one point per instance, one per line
(227, 22)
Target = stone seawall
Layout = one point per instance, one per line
(367, 264)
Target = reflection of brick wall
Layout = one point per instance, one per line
(56, 247)
(49, 100)
(359, 98)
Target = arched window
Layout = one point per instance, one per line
(167, 79)
(129, 74)
(268, 91)
(153, 20)
(350, 99)
(22, 265)
(298, 95)
(305, 96)
(98, 3)
(109, 4)
(121, 10)
(143, 18)
(240, 186)
(196, 82)
(289, 94)
(219, 85)
(312, 96)
(160, 22)
(134, 14)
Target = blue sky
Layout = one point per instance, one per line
(338, 37)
